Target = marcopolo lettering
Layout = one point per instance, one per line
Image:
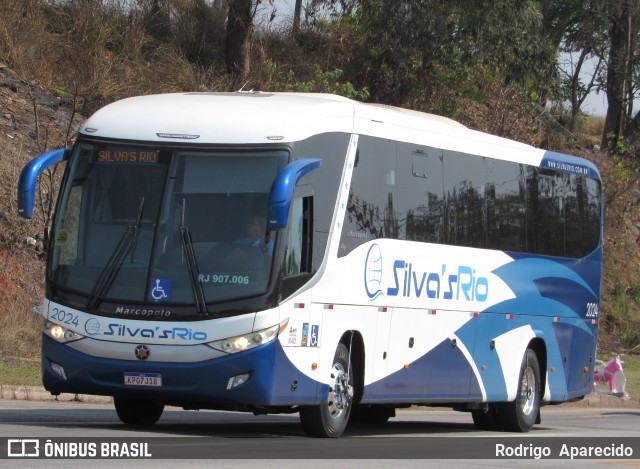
(147, 312)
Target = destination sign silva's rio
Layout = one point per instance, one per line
(128, 155)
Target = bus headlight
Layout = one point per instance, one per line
(248, 341)
(60, 333)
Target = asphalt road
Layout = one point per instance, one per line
(224, 439)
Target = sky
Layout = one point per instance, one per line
(596, 103)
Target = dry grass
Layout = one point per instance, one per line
(591, 128)
(20, 290)
(101, 54)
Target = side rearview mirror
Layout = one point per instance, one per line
(282, 190)
(29, 178)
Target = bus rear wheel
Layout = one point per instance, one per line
(140, 412)
(330, 419)
(521, 414)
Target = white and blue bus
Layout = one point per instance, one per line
(400, 259)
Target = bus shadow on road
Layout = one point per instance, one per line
(217, 424)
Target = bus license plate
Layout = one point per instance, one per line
(143, 379)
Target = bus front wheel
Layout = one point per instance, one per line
(329, 419)
(520, 414)
(141, 412)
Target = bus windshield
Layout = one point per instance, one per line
(152, 225)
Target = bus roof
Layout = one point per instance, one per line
(263, 117)
(222, 118)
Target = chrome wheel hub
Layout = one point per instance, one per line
(341, 391)
(527, 391)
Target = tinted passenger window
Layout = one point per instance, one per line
(505, 206)
(582, 215)
(421, 193)
(464, 187)
(371, 211)
(591, 235)
(466, 200)
(545, 222)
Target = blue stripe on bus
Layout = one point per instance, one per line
(441, 375)
(569, 164)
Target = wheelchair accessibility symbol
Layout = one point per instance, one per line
(160, 289)
(315, 330)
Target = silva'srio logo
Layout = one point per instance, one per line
(409, 279)
(175, 333)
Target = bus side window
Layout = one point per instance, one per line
(545, 212)
(299, 245)
(67, 237)
(421, 193)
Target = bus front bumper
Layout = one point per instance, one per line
(266, 377)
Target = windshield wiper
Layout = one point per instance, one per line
(189, 257)
(126, 244)
(136, 231)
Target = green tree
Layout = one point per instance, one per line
(510, 37)
(577, 28)
(238, 38)
(194, 28)
(407, 41)
(624, 23)
(297, 16)
(403, 41)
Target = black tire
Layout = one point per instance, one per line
(486, 419)
(140, 412)
(330, 419)
(521, 414)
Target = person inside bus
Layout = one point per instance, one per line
(254, 233)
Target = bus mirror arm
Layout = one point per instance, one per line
(29, 178)
(282, 190)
